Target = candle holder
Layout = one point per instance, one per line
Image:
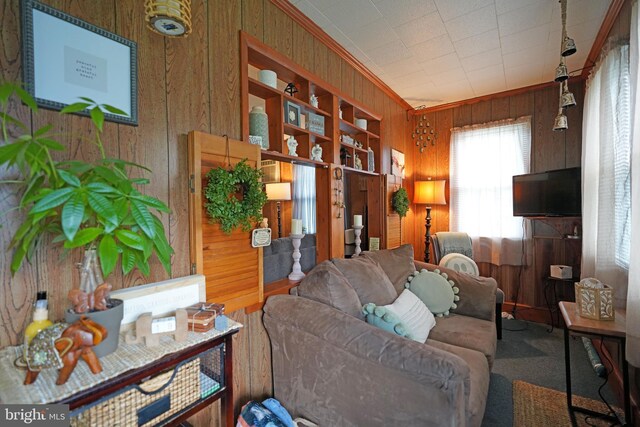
(357, 230)
(296, 272)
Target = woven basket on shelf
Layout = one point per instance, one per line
(123, 408)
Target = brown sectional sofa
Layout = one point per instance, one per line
(332, 367)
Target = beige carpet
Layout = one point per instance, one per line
(535, 406)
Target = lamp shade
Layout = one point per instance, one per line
(429, 193)
(278, 191)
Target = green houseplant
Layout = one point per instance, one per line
(400, 202)
(95, 205)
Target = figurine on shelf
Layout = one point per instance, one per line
(292, 144)
(357, 163)
(291, 89)
(264, 223)
(313, 100)
(316, 153)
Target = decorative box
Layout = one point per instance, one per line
(561, 271)
(594, 300)
(201, 316)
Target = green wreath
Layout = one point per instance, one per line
(400, 202)
(235, 197)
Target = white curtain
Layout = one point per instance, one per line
(633, 294)
(304, 196)
(606, 172)
(484, 159)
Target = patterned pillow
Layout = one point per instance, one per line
(460, 263)
(435, 290)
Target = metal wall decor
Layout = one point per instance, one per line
(567, 48)
(168, 17)
(423, 133)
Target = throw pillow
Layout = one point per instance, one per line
(397, 264)
(460, 263)
(413, 314)
(381, 318)
(368, 279)
(325, 284)
(435, 290)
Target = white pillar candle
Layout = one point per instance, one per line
(357, 220)
(296, 226)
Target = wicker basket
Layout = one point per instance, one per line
(147, 403)
(594, 303)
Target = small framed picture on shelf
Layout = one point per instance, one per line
(374, 243)
(316, 123)
(291, 113)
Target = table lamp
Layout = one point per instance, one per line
(277, 192)
(428, 193)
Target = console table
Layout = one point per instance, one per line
(613, 330)
(161, 385)
(551, 286)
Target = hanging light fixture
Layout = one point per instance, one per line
(169, 17)
(560, 123)
(568, 100)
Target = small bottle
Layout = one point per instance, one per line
(40, 318)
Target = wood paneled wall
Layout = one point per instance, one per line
(549, 150)
(184, 84)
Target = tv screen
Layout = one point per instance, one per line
(552, 193)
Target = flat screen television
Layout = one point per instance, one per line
(551, 193)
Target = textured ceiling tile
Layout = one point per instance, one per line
(448, 76)
(536, 36)
(314, 14)
(472, 24)
(402, 67)
(524, 18)
(450, 9)
(372, 36)
(442, 64)
(352, 14)
(421, 29)
(324, 4)
(492, 72)
(432, 49)
(482, 60)
(504, 6)
(477, 44)
(388, 53)
(398, 14)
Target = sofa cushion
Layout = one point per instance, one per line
(467, 332)
(435, 290)
(368, 279)
(479, 376)
(384, 319)
(327, 285)
(414, 315)
(460, 263)
(397, 264)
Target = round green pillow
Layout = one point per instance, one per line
(435, 290)
(383, 319)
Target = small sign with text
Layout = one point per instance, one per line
(46, 415)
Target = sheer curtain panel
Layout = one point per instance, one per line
(304, 196)
(484, 159)
(606, 173)
(633, 294)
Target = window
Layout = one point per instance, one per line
(304, 197)
(484, 159)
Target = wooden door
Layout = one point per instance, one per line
(232, 267)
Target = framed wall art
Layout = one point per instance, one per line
(291, 113)
(397, 163)
(65, 58)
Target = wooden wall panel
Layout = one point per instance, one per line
(278, 31)
(253, 18)
(302, 53)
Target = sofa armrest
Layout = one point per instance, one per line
(336, 369)
(477, 293)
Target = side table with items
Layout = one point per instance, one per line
(611, 330)
(551, 287)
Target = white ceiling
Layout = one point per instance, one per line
(433, 52)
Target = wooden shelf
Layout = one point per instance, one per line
(350, 169)
(305, 105)
(346, 126)
(262, 90)
(290, 129)
(276, 155)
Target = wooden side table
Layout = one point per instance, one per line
(612, 330)
(551, 286)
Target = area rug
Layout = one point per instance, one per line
(535, 406)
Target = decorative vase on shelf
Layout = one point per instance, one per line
(259, 125)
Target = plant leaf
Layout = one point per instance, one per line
(16, 261)
(69, 178)
(153, 202)
(108, 252)
(103, 207)
(74, 108)
(97, 116)
(26, 98)
(114, 110)
(143, 218)
(72, 214)
(131, 239)
(52, 200)
(83, 237)
(142, 265)
(101, 187)
(51, 144)
(128, 260)
(10, 119)
(9, 152)
(44, 129)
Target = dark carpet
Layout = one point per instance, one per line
(528, 353)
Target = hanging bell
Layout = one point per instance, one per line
(568, 47)
(560, 123)
(561, 73)
(568, 100)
